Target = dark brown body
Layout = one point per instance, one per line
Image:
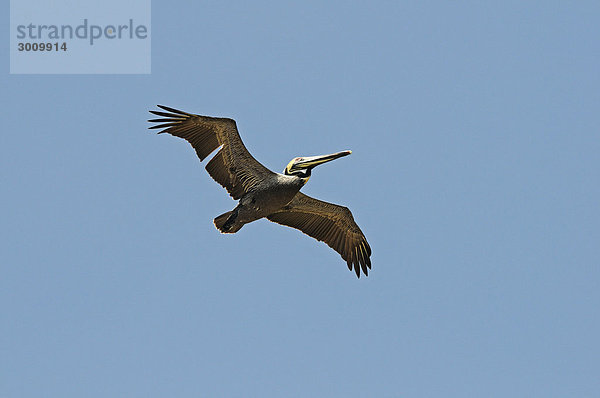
(269, 197)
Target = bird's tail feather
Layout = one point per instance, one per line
(220, 221)
(227, 225)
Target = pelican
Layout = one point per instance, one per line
(263, 193)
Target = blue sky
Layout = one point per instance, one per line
(475, 135)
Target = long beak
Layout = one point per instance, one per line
(312, 161)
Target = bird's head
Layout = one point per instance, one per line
(301, 167)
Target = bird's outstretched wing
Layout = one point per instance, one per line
(331, 224)
(233, 166)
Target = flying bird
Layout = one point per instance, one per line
(263, 193)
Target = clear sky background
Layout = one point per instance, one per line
(475, 131)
